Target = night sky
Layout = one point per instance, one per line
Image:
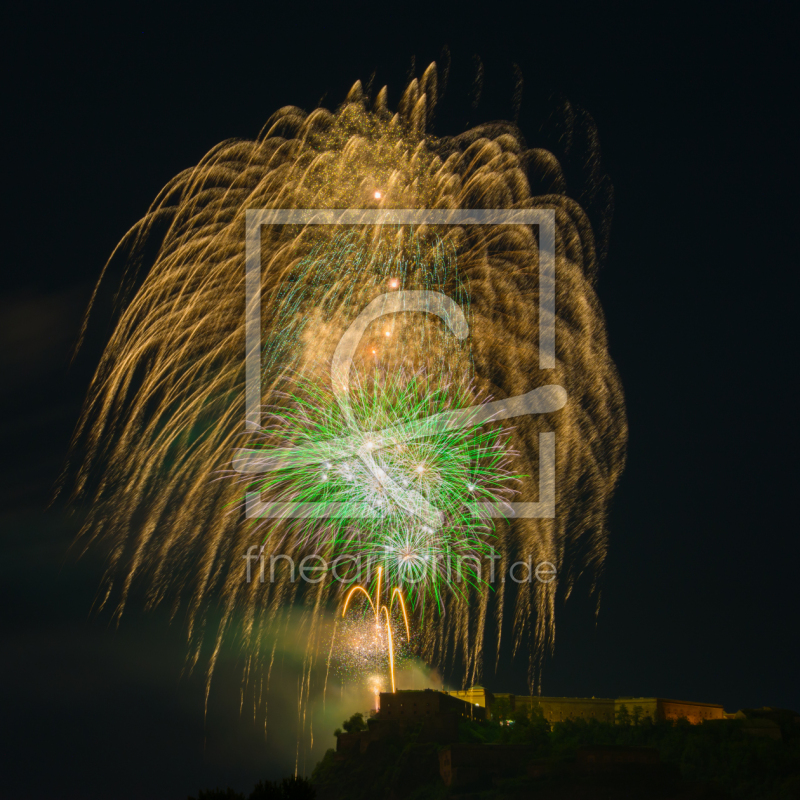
(696, 114)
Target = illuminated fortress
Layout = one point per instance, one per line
(558, 709)
(436, 715)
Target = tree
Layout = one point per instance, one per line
(292, 788)
(501, 709)
(536, 714)
(531, 728)
(355, 723)
(266, 790)
(296, 788)
(219, 794)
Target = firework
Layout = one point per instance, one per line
(165, 409)
(383, 616)
(400, 490)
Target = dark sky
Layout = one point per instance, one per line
(696, 113)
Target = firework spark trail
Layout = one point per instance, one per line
(408, 507)
(379, 608)
(165, 406)
(541, 400)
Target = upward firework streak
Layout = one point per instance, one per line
(385, 612)
(165, 409)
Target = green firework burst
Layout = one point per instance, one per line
(391, 485)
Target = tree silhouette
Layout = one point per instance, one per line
(219, 794)
(292, 788)
(355, 723)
